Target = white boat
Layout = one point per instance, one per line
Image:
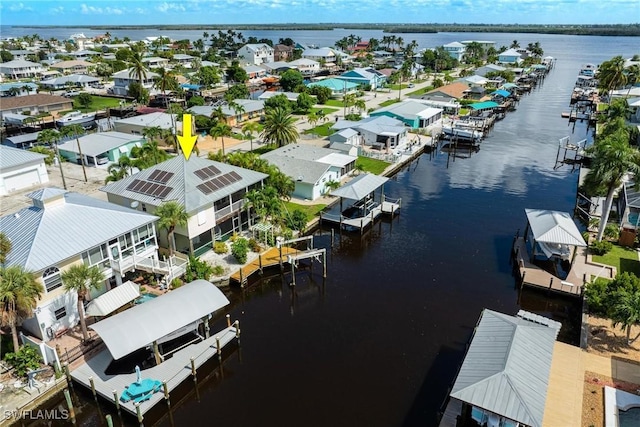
(76, 118)
(461, 133)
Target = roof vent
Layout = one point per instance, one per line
(16, 215)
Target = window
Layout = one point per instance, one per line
(52, 279)
(60, 313)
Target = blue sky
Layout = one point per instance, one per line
(99, 12)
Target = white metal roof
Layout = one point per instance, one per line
(554, 227)
(94, 144)
(143, 324)
(359, 187)
(109, 302)
(506, 369)
(13, 157)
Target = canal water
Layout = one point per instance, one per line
(379, 342)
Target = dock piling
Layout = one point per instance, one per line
(72, 413)
(139, 414)
(228, 320)
(165, 388)
(219, 349)
(93, 388)
(109, 420)
(67, 373)
(117, 402)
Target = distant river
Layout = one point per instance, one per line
(381, 342)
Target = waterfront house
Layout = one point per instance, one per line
(22, 141)
(212, 194)
(20, 54)
(282, 52)
(447, 93)
(338, 87)
(23, 88)
(412, 113)
(75, 80)
(62, 229)
(20, 69)
(455, 50)
(489, 68)
(35, 104)
(325, 54)
(628, 204)
(510, 56)
(20, 169)
(136, 124)
(364, 77)
(73, 67)
(103, 145)
(254, 71)
(247, 109)
(486, 44)
(122, 80)
(308, 67)
(83, 54)
(291, 96)
(381, 132)
(634, 109)
(505, 374)
(277, 67)
(474, 80)
(311, 168)
(155, 62)
(256, 54)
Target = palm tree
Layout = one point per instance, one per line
(76, 130)
(172, 214)
(515, 44)
(279, 127)
(626, 311)
(5, 247)
(138, 70)
(360, 105)
(165, 80)
(612, 159)
(248, 130)
(348, 100)
(121, 170)
(612, 74)
(220, 130)
(19, 295)
(82, 279)
(51, 137)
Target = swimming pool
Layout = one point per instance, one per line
(144, 298)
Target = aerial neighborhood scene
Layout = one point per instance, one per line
(210, 213)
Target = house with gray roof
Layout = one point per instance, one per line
(22, 141)
(504, 377)
(256, 54)
(20, 69)
(77, 80)
(135, 125)
(122, 80)
(382, 132)
(212, 194)
(412, 113)
(489, 68)
(20, 169)
(247, 109)
(111, 145)
(277, 67)
(311, 168)
(62, 229)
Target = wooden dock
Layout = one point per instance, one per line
(532, 275)
(451, 413)
(268, 258)
(172, 371)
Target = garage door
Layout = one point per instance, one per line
(21, 180)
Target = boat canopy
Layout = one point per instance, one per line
(554, 227)
(114, 299)
(143, 324)
(360, 187)
(501, 92)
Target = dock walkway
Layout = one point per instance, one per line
(174, 370)
(268, 258)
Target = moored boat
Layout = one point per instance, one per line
(76, 118)
(461, 133)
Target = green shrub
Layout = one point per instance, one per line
(239, 249)
(612, 231)
(297, 220)
(197, 269)
(176, 283)
(218, 270)
(24, 360)
(602, 295)
(601, 248)
(255, 246)
(585, 236)
(220, 248)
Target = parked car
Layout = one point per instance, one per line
(102, 160)
(97, 86)
(411, 85)
(71, 93)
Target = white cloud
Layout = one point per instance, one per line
(170, 7)
(19, 7)
(57, 10)
(92, 10)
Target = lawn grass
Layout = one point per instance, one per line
(602, 106)
(420, 91)
(97, 103)
(310, 210)
(389, 102)
(397, 86)
(334, 103)
(325, 110)
(623, 259)
(463, 112)
(322, 130)
(264, 149)
(373, 166)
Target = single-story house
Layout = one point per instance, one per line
(247, 109)
(122, 80)
(77, 80)
(112, 237)
(345, 147)
(20, 69)
(364, 77)
(22, 141)
(338, 87)
(474, 80)
(135, 125)
(254, 71)
(382, 132)
(23, 88)
(291, 96)
(348, 136)
(510, 56)
(110, 145)
(183, 59)
(505, 373)
(212, 194)
(73, 67)
(455, 91)
(310, 167)
(489, 68)
(277, 67)
(155, 62)
(20, 169)
(414, 114)
(35, 104)
(83, 54)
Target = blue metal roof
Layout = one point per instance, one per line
(484, 105)
(501, 92)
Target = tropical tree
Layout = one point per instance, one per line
(5, 247)
(148, 155)
(360, 105)
(138, 69)
(279, 127)
(76, 131)
(82, 279)
(612, 159)
(48, 136)
(626, 311)
(611, 74)
(19, 295)
(172, 214)
(165, 81)
(46, 151)
(221, 130)
(249, 129)
(349, 99)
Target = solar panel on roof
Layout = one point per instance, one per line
(224, 180)
(214, 170)
(164, 192)
(214, 184)
(154, 187)
(159, 176)
(145, 187)
(235, 175)
(134, 185)
(154, 175)
(202, 187)
(207, 172)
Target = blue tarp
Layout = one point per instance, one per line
(483, 105)
(190, 86)
(501, 92)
